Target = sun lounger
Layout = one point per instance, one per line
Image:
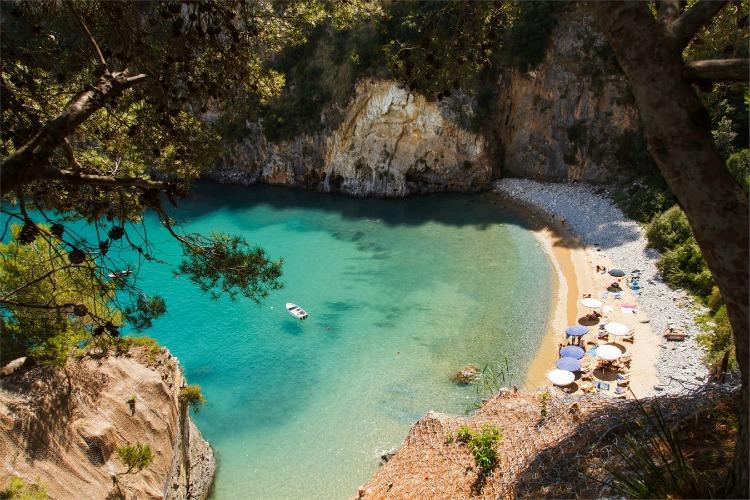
(623, 383)
(629, 338)
(672, 334)
(605, 294)
(620, 393)
(617, 295)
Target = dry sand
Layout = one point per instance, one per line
(575, 266)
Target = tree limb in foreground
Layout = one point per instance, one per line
(685, 27)
(719, 70)
(28, 163)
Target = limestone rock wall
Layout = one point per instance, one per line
(392, 142)
(573, 117)
(62, 429)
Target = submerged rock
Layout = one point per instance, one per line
(466, 375)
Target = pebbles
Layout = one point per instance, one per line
(591, 215)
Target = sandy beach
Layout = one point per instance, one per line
(575, 265)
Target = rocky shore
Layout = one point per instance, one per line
(61, 428)
(591, 215)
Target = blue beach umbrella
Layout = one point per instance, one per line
(617, 273)
(576, 331)
(569, 364)
(571, 351)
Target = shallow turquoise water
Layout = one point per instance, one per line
(401, 294)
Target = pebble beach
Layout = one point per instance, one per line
(589, 213)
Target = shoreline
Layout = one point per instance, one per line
(567, 257)
(598, 233)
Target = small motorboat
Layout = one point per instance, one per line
(296, 311)
(120, 274)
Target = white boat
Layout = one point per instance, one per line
(120, 274)
(296, 311)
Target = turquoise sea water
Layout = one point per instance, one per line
(401, 294)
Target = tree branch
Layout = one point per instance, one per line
(30, 161)
(667, 11)
(74, 177)
(90, 37)
(37, 280)
(13, 303)
(685, 27)
(719, 70)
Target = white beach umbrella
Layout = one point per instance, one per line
(561, 377)
(617, 329)
(608, 352)
(591, 303)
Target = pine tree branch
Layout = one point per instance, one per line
(31, 161)
(685, 27)
(719, 70)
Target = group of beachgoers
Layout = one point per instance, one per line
(587, 359)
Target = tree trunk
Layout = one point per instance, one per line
(679, 139)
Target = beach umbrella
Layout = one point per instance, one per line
(576, 330)
(568, 364)
(608, 352)
(591, 303)
(572, 351)
(617, 329)
(561, 377)
(617, 273)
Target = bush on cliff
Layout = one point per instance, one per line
(18, 489)
(481, 443)
(192, 396)
(135, 457)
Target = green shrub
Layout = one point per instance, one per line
(18, 489)
(718, 340)
(543, 402)
(192, 396)
(480, 444)
(684, 267)
(714, 300)
(137, 456)
(669, 229)
(527, 41)
(131, 403)
(738, 165)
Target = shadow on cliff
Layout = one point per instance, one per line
(481, 210)
(43, 401)
(574, 467)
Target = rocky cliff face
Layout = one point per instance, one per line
(391, 142)
(573, 117)
(61, 429)
(570, 119)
